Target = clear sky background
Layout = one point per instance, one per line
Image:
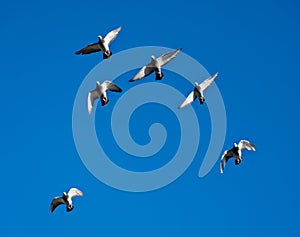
(255, 47)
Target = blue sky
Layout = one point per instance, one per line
(255, 47)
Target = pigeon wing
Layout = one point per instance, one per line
(191, 97)
(225, 157)
(246, 145)
(165, 58)
(56, 202)
(92, 96)
(91, 48)
(109, 86)
(145, 71)
(206, 83)
(73, 192)
(111, 36)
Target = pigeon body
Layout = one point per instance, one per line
(100, 93)
(236, 153)
(198, 91)
(65, 199)
(101, 45)
(155, 66)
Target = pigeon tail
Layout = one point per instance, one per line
(70, 208)
(202, 100)
(159, 75)
(107, 55)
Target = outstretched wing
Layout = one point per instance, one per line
(191, 97)
(109, 86)
(56, 202)
(225, 157)
(91, 48)
(111, 36)
(92, 96)
(145, 71)
(73, 192)
(165, 58)
(246, 145)
(206, 83)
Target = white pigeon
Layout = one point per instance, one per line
(100, 93)
(102, 45)
(65, 199)
(236, 153)
(155, 66)
(198, 91)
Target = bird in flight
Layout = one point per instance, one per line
(236, 153)
(101, 45)
(198, 91)
(155, 66)
(100, 93)
(66, 199)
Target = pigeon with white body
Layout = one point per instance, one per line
(101, 45)
(236, 153)
(198, 91)
(65, 199)
(100, 93)
(155, 66)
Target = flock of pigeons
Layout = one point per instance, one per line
(156, 64)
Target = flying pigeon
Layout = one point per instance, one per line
(102, 45)
(65, 199)
(236, 153)
(155, 66)
(198, 91)
(100, 93)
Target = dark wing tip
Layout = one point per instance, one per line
(78, 52)
(131, 80)
(118, 89)
(253, 146)
(52, 208)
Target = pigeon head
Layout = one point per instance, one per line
(98, 83)
(235, 145)
(100, 37)
(153, 58)
(65, 194)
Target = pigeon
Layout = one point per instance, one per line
(102, 45)
(236, 153)
(155, 66)
(100, 92)
(65, 199)
(198, 91)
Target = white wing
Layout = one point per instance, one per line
(191, 97)
(92, 96)
(73, 192)
(109, 86)
(111, 36)
(145, 71)
(246, 145)
(206, 83)
(165, 58)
